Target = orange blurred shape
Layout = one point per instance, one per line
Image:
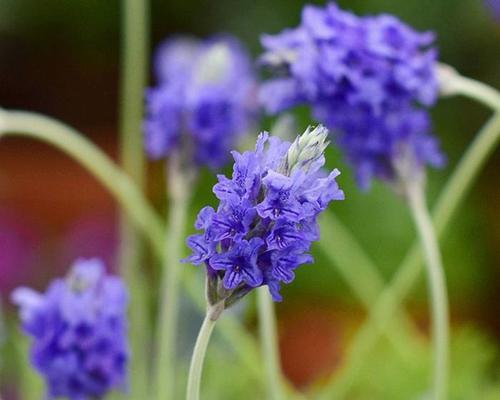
(310, 344)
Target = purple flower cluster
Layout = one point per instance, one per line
(368, 69)
(79, 332)
(266, 221)
(206, 98)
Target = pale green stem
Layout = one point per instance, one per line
(269, 343)
(119, 184)
(231, 329)
(133, 81)
(452, 195)
(179, 188)
(452, 84)
(437, 287)
(198, 358)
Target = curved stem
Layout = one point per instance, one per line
(437, 287)
(269, 342)
(133, 81)
(198, 358)
(67, 139)
(452, 83)
(450, 198)
(179, 187)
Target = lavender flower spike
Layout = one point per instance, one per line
(79, 332)
(266, 220)
(369, 79)
(205, 99)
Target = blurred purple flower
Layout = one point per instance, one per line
(204, 101)
(79, 332)
(266, 219)
(362, 77)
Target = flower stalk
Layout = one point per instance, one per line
(133, 80)
(448, 201)
(270, 347)
(263, 229)
(437, 286)
(200, 350)
(179, 188)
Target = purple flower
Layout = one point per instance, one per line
(204, 101)
(79, 332)
(266, 219)
(282, 197)
(362, 77)
(232, 220)
(239, 264)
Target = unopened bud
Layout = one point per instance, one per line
(306, 149)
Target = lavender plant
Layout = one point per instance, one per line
(368, 79)
(204, 101)
(79, 330)
(264, 226)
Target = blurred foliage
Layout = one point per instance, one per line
(475, 371)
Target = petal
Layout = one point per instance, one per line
(204, 218)
(221, 262)
(274, 289)
(232, 279)
(253, 277)
(202, 249)
(283, 273)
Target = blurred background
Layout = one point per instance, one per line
(61, 58)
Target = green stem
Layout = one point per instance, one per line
(231, 330)
(269, 342)
(437, 287)
(179, 188)
(133, 82)
(198, 358)
(68, 140)
(452, 83)
(450, 198)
